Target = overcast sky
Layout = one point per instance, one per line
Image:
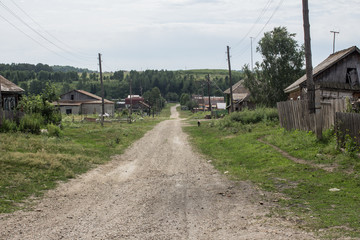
(164, 34)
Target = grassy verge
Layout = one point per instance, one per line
(30, 164)
(302, 191)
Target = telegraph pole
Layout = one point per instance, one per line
(334, 32)
(313, 97)
(231, 93)
(252, 66)
(309, 68)
(130, 99)
(102, 93)
(208, 83)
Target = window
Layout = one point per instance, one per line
(351, 76)
(69, 111)
(72, 97)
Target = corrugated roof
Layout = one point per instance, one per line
(327, 63)
(8, 86)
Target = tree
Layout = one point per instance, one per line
(282, 64)
(184, 98)
(118, 75)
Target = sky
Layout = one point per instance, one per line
(164, 34)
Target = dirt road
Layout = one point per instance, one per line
(158, 189)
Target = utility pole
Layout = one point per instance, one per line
(252, 65)
(203, 97)
(334, 32)
(314, 104)
(130, 114)
(309, 68)
(208, 83)
(231, 92)
(102, 93)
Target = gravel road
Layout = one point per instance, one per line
(158, 189)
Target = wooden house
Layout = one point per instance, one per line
(203, 101)
(83, 102)
(10, 96)
(241, 97)
(337, 77)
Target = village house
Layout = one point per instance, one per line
(137, 103)
(10, 96)
(241, 97)
(203, 102)
(337, 77)
(83, 102)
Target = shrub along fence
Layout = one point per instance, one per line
(347, 127)
(295, 114)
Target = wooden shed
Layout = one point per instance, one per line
(83, 102)
(338, 76)
(241, 97)
(10, 96)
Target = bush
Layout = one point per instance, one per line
(31, 123)
(54, 131)
(8, 126)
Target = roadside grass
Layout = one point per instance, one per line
(31, 164)
(301, 190)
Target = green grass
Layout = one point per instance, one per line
(31, 164)
(304, 189)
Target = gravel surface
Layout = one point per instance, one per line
(158, 189)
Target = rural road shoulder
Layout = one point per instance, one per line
(158, 189)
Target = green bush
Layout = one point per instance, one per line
(54, 131)
(31, 123)
(8, 126)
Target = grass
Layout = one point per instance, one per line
(302, 190)
(31, 164)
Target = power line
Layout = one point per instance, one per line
(51, 35)
(31, 37)
(262, 29)
(37, 33)
(263, 11)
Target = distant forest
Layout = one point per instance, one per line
(33, 79)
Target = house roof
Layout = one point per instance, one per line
(88, 94)
(238, 88)
(327, 63)
(7, 86)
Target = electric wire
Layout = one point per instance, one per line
(37, 33)
(246, 48)
(33, 39)
(263, 11)
(51, 35)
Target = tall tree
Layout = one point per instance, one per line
(282, 64)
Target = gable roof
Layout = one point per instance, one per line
(8, 86)
(238, 88)
(87, 94)
(327, 63)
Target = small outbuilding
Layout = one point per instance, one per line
(10, 96)
(338, 76)
(241, 97)
(83, 102)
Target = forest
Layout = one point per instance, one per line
(34, 78)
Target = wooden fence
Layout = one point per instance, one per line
(347, 124)
(295, 114)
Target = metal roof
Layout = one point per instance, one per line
(7, 86)
(327, 63)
